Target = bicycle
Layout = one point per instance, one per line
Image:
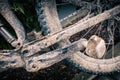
(26, 53)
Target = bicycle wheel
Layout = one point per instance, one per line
(46, 9)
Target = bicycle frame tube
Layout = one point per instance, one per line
(66, 33)
(6, 12)
(34, 62)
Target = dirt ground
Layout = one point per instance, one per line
(59, 71)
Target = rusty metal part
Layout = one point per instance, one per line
(66, 33)
(7, 13)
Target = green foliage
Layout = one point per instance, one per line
(25, 11)
(18, 7)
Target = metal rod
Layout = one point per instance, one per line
(6, 35)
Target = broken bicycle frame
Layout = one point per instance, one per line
(25, 55)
